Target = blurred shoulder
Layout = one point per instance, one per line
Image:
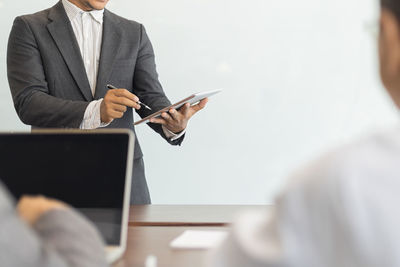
(364, 160)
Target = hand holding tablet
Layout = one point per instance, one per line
(189, 101)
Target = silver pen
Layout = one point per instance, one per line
(109, 86)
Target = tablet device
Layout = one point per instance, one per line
(192, 100)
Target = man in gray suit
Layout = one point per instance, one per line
(45, 232)
(60, 60)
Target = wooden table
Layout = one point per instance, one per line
(154, 240)
(186, 215)
(153, 227)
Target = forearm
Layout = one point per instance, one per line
(39, 109)
(60, 239)
(72, 237)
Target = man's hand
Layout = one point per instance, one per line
(31, 208)
(176, 121)
(115, 102)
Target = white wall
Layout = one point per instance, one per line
(299, 78)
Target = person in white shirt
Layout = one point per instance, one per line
(342, 209)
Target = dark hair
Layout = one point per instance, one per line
(392, 5)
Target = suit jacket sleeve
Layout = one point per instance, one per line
(60, 238)
(29, 84)
(147, 86)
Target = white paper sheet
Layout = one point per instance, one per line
(199, 239)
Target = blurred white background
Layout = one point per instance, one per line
(300, 77)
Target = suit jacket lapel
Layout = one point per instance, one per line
(63, 35)
(109, 49)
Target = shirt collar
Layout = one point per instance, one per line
(73, 11)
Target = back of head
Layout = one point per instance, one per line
(392, 5)
(389, 48)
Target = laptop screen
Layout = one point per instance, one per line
(87, 171)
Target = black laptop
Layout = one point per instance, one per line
(89, 170)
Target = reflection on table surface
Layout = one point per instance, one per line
(154, 240)
(108, 222)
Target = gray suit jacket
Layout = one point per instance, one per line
(48, 80)
(59, 238)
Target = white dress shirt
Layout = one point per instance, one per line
(88, 30)
(343, 210)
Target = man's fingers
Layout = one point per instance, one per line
(158, 121)
(185, 109)
(200, 105)
(125, 101)
(164, 120)
(125, 93)
(166, 116)
(122, 97)
(188, 111)
(116, 114)
(175, 114)
(118, 107)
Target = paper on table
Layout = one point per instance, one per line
(199, 239)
